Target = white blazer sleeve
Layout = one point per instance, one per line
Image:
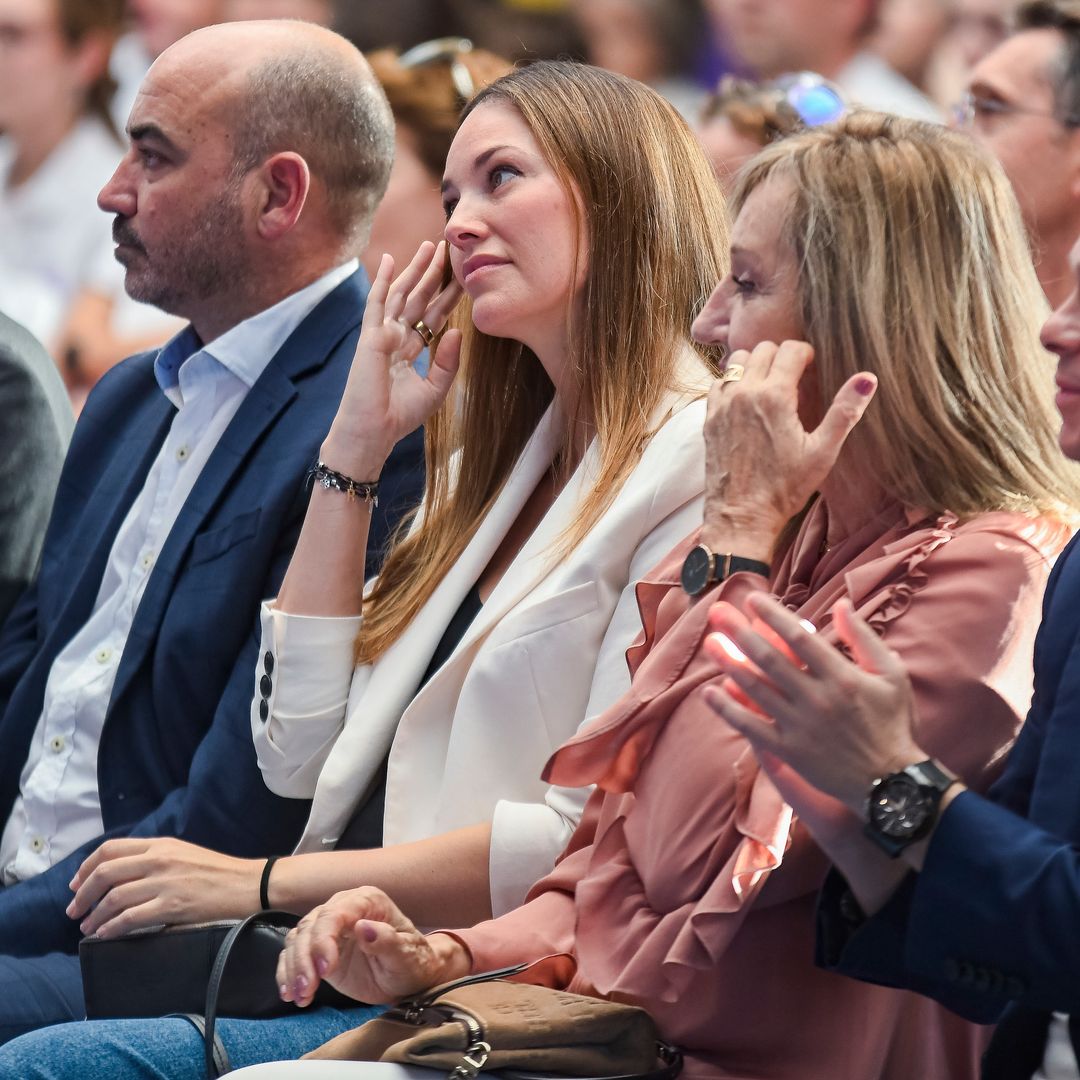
(527, 838)
(303, 681)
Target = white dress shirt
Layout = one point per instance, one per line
(1059, 1062)
(59, 808)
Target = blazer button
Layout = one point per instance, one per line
(265, 686)
(268, 663)
(264, 710)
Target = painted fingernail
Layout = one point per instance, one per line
(300, 985)
(865, 386)
(369, 932)
(322, 965)
(283, 991)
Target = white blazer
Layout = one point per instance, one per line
(544, 654)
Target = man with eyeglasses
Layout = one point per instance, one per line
(1023, 105)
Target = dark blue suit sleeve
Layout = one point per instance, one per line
(992, 917)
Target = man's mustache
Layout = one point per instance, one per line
(124, 233)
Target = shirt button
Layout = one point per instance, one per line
(183, 454)
(57, 743)
(103, 656)
(147, 560)
(37, 845)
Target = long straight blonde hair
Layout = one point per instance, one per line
(656, 232)
(914, 264)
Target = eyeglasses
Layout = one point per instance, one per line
(815, 100)
(972, 107)
(450, 49)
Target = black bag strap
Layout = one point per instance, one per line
(211, 1042)
(218, 1063)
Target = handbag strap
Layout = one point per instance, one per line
(219, 1063)
(217, 973)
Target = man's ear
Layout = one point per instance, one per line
(284, 182)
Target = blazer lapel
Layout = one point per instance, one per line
(392, 687)
(311, 345)
(104, 516)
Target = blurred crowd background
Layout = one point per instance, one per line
(69, 71)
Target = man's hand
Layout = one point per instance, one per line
(365, 947)
(129, 884)
(838, 724)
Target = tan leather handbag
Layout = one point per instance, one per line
(485, 1022)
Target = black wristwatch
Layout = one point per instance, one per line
(702, 568)
(903, 806)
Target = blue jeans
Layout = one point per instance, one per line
(169, 1048)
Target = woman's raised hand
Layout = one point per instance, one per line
(365, 947)
(762, 465)
(385, 397)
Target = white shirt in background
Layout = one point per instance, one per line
(868, 80)
(59, 808)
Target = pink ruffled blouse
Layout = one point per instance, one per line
(688, 888)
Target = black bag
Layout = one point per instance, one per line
(205, 970)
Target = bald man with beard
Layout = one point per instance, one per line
(258, 152)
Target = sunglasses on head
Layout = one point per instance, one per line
(444, 50)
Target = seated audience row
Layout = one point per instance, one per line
(880, 478)
(668, 893)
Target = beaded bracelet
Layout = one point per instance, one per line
(354, 489)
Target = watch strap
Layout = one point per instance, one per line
(726, 565)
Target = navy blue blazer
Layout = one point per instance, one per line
(176, 756)
(991, 926)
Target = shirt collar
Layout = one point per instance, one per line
(248, 347)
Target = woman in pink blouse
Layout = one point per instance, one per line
(921, 415)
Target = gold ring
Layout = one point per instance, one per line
(732, 373)
(424, 331)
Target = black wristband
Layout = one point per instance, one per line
(264, 883)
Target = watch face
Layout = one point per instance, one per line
(696, 570)
(900, 808)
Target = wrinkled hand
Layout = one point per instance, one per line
(365, 947)
(385, 398)
(762, 465)
(837, 724)
(129, 884)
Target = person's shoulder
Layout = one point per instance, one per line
(1044, 536)
(30, 375)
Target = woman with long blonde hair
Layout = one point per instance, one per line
(586, 229)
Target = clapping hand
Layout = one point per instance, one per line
(837, 724)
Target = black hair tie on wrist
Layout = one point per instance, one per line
(264, 883)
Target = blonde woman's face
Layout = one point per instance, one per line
(758, 300)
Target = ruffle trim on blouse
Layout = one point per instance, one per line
(893, 600)
(691, 939)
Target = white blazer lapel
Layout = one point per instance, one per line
(391, 686)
